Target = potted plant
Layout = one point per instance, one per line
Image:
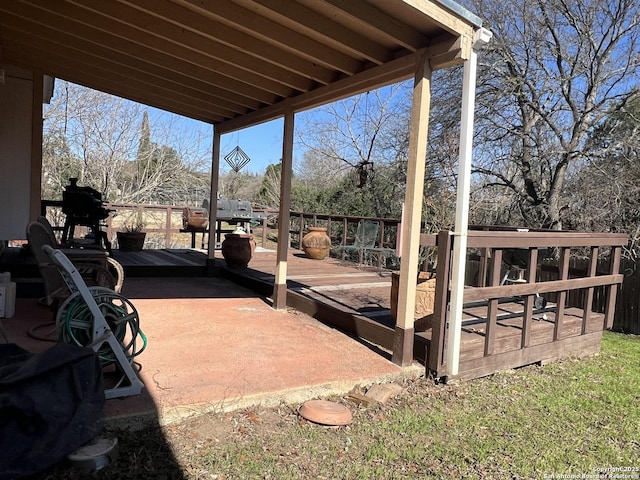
(131, 237)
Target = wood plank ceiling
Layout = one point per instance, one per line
(218, 60)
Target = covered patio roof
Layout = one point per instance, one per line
(219, 60)
(237, 63)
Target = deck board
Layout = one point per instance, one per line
(162, 262)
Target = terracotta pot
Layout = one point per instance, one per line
(237, 249)
(131, 241)
(425, 299)
(316, 244)
(195, 218)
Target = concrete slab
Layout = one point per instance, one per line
(215, 346)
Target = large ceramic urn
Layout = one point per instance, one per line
(237, 249)
(316, 244)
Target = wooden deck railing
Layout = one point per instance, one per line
(163, 222)
(491, 246)
(166, 221)
(341, 228)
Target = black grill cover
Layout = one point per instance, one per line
(51, 403)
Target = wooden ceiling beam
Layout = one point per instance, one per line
(275, 35)
(125, 85)
(138, 68)
(86, 35)
(446, 51)
(107, 85)
(441, 17)
(392, 72)
(377, 23)
(80, 16)
(251, 41)
(331, 33)
(154, 25)
(74, 58)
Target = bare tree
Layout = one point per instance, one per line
(554, 70)
(352, 137)
(605, 193)
(96, 131)
(98, 138)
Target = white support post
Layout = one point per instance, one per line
(458, 265)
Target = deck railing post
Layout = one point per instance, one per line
(300, 231)
(563, 266)
(436, 351)
(344, 234)
(264, 231)
(492, 309)
(588, 298)
(610, 309)
(529, 301)
(167, 228)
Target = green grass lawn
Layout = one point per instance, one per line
(576, 417)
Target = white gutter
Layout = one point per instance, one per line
(482, 37)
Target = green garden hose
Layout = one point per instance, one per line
(75, 323)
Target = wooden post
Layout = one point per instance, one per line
(588, 300)
(280, 287)
(265, 222)
(300, 230)
(213, 197)
(613, 289)
(563, 265)
(529, 301)
(167, 228)
(344, 235)
(404, 329)
(436, 351)
(492, 308)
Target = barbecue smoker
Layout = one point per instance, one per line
(83, 206)
(228, 211)
(234, 211)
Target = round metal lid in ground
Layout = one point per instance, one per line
(97, 454)
(325, 412)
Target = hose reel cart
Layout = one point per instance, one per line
(103, 320)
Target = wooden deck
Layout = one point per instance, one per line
(163, 262)
(356, 300)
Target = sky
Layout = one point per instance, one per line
(262, 143)
(193, 139)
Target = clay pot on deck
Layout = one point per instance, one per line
(425, 299)
(237, 249)
(316, 244)
(195, 218)
(131, 241)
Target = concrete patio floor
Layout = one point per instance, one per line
(216, 346)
